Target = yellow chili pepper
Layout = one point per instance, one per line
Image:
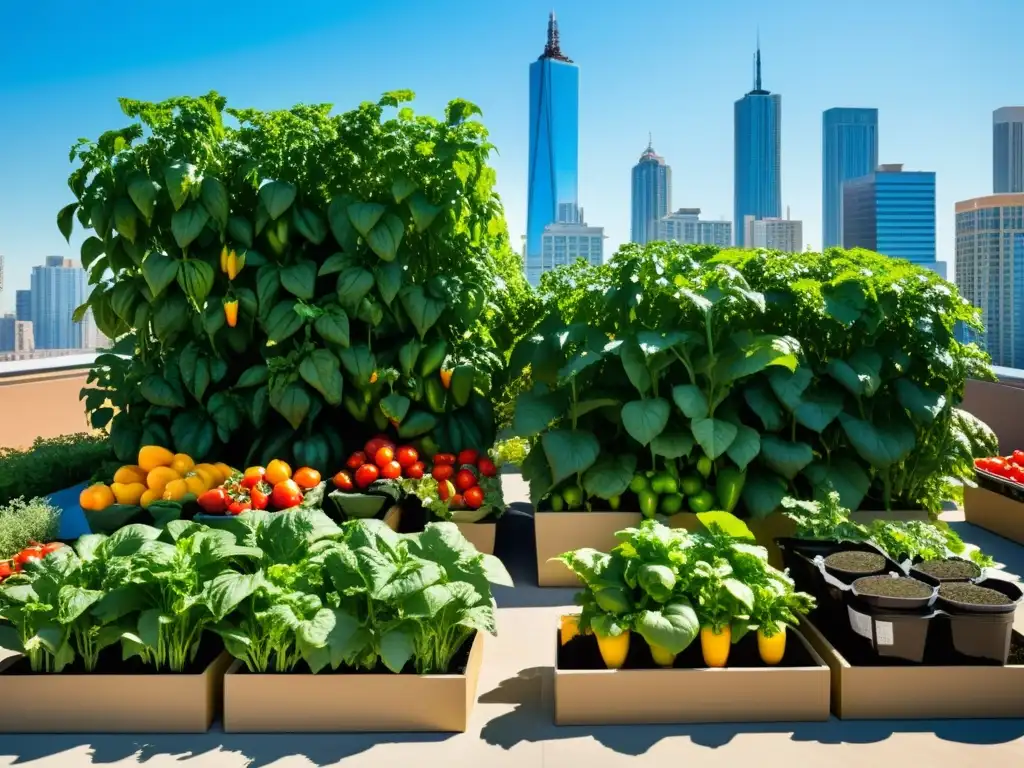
(231, 312)
(224, 259)
(235, 264)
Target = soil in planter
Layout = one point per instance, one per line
(581, 653)
(110, 663)
(887, 586)
(953, 569)
(972, 594)
(855, 562)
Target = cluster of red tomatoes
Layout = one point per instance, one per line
(33, 551)
(380, 459)
(273, 487)
(458, 478)
(1007, 467)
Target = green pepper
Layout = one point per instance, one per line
(638, 483)
(417, 423)
(704, 466)
(671, 503)
(691, 485)
(729, 486)
(614, 502)
(573, 496)
(358, 410)
(664, 483)
(436, 394)
(702, 502)
(648, 503)
(408, 355)
(432, 357)
(462, 384)
(557, 503)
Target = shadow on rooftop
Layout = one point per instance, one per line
(533, 720)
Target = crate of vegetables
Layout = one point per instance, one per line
(682, 627)
(997, 503)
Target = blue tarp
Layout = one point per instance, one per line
(72, 519)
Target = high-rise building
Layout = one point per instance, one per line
(554, 144)
(652, 195)
(1008, 150)
(774, 234)
(849, 150)
(892, 211)
(23, 305)
(58, 288)
(990, 271)
(7, 333)
(565, 241)
(686, 226)
(757, 188)
(1, 274)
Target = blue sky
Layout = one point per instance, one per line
(934, 68)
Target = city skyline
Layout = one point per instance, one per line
(56, 99)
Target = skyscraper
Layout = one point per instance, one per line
(775, 234)
(23, 305)
(554, 145)
(566, 241)
(652, 195)
(1008, 150)
(686, 226)
(849, 150)
(990, 271)
(892, 211)
(757, 189)
(58, 288)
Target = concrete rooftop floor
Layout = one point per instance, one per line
(512, 721)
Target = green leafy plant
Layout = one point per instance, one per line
(23, 522)
(826, 519)
(51, 464)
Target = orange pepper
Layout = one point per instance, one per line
(446, 378)
(231, 312)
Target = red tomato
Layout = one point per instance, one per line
(444, 458)
(238, 507)
(474, 497)
(1017, 475)
(286, 494)
(468, 456)
(384, 456)
(457, 502)
(392, 470)
(415, 471)
(487, 467)
(407, 456)
(5, 569)
(27, 554)
(259, 495)
(445, 490)
(1018, 457)
(252, 476)
(214, 502)
(366, 474)
(306, 478)
(343, 481)
(374, 445)
(356, 460)
(464, 480)
(442, 471)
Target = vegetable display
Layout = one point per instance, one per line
(23, 523)
(1009, 467)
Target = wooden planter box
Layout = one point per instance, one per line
(560, 532)
(102, 703)
(916, 691)
(728, 695)
(995, 512)
(481, 535)
(337, 702)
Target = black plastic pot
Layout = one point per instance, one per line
(886, 602)
(900, 635)
(984, 631)
(930, 579)
(846, 575)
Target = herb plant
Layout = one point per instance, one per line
(24, 522)
(51, 464)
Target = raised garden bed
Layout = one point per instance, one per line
(989, 508)
(481, 535)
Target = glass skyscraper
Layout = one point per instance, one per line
(23, 305)
(849, 150)
(554, 145)
(757, 189)
(652, 195)
(892, 211)
(1008, 150)
(58, 288)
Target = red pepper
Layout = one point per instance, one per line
(238, 507)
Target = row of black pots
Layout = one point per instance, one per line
(903, 627)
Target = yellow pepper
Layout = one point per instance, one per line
(231, 312)
(224, 259)
(235, 264)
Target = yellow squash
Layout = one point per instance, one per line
(715, 645)
(773, 648)
(570, 628)
(662, 657)
(613, 649)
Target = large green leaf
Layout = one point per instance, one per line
(535, 410)
(843, 475)
(789, 387)
(66, 220)
(923, 404)
(92, 249)
(283, 321)
(714, 436)
(193, 433)
(337, 217)
(610, 476)
(159, 271)
(672, 445)
(672, 628)
(745, 447)
(569, 452)
(196, 279)
(188, 223)
(353, 284)
(762, 402)
(277, 197)
(691, 400)
(158, 391)
(252, 377)
(785, 457)
(845, 301)
(402, 187)
(364, 216)
(762, 493)
(360, 364)
(292, 402)
(422, 309)
(389, 277)
(881, 445)
(178, 179)
(386, 236)
(126, 219)
(225, 413)
(268, 284)
(423, 211)
(333, 325)
(240, 230)
(172, 316)
(634, 361)
(309, 224)
(861, 374)
(321, 370)
(819, 406)
(299, 279)
(395, 407)
(214, 196)
(755, 353)
(143, 191)
(646, 419)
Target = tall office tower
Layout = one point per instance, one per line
(774, 234)
(652, 195)
(757, 189)
(686, 226)
(570, 238)
(892, 211)
(990, 271)
(58, 288)
(23, 305)
(554, 145)
(1008, 150)
(849, 150)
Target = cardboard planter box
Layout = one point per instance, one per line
(393, 518)
(104, 703)
(995, 512)
(559, 532)
(481, 535)
(339, 702)
(682, 695)
(917, 691)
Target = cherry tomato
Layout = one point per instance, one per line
(286, 494)
(444, 458)
(252, 476)
(457, 502)
(442, 471)
(306, 478)
(356, 460)
(259, 495)
(392, 470)
(464, 480)
(468, 456)
(238, 507)
(445, 490)
(407, 456)
(376, 444)
(343, 481)
(1017, 475)
(366, 474)
(1018, 457)
(474, 497)
(415, 471)
(384, 456)
(214, 502)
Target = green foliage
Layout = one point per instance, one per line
(23, 522)
(53, 463)
(357, 231)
